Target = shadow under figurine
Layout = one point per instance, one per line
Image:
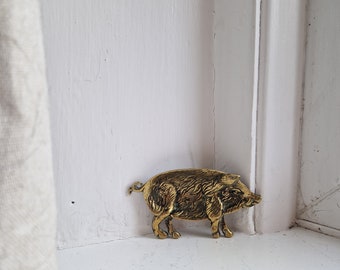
(194, 194)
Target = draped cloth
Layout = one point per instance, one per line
(27, 200)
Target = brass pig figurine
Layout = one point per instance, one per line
(194, 194)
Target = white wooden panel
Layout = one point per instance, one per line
(131, 95)
(234, 47)
(281, 79)
(319, 196)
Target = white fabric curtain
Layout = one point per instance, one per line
(27, 201)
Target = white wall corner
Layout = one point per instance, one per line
(281, 72)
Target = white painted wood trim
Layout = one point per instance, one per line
(279, 110)
(318, 227)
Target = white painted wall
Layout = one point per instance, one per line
(319, 193)
(131, 93)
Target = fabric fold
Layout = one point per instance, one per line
(27, 199)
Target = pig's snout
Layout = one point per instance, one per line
(253, 199)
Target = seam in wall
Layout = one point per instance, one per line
(213, 92)
(302, 107)
(256, 79)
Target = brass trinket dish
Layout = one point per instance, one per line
(194, 194)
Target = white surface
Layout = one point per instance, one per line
(131, 91)
(27, 201)
(294, 249)
(281, 74)
(319, 196)
(134, 92)
(234, 49)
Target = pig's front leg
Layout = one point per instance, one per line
(214, 213)
(226, 231)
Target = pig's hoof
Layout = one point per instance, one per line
(176, 235)
(228, 233)
(161, 234)
(216, 235)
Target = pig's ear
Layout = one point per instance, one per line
(230, 178)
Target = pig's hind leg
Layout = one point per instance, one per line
(172, 231)
(155, 226)
(162, 208)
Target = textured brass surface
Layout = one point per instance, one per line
(194, 194)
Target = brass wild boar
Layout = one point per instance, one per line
(194, 194)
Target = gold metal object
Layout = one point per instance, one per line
(194, 194)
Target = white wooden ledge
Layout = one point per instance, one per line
(294, 249)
